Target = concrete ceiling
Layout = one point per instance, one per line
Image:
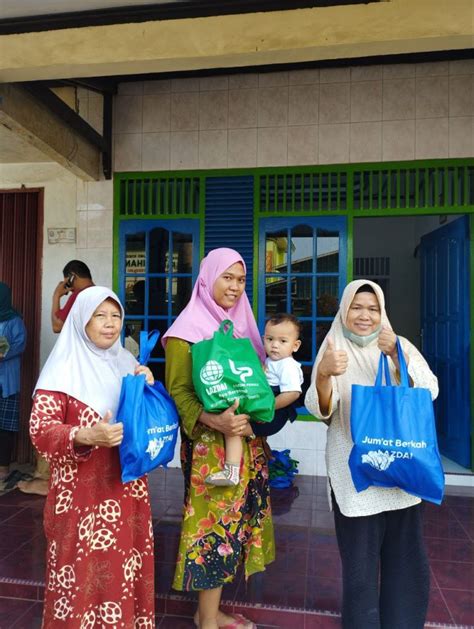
(15, 150)
(232, 41)
(27, 8)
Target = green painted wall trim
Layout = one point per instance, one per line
(350, 248)
(350, 211)
(116, 238)
(368, 189)
(228, 172)
(471, 305)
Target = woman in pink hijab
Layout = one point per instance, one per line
(222, 526)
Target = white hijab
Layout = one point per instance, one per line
(363, 361)
(81, 369)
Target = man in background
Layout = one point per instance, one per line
(77, 277)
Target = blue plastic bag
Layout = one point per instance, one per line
(394, 435)
(150, 420)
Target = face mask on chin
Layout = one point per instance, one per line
(361, 341)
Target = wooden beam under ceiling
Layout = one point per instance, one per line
(35, 122)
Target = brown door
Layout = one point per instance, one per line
(21, 242)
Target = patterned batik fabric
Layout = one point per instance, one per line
(100, 561)
(223, 526)
(9, 412)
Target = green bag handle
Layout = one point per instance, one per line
(227, 323)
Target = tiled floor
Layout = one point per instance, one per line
(301, 589)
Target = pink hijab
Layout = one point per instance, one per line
(202, 316)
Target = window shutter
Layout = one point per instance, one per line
(229, 218)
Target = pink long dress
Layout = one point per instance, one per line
(100, 563)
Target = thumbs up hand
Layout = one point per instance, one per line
(106, 435)
(387, 341)
(334, 362)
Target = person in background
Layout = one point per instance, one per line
(385, 571)
(12, 346)
(77, 277)
(222, 526)
(100, 557)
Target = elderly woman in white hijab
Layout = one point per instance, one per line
(379, 531)
(100, 565)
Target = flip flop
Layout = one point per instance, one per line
(15, 477)
(238, 623)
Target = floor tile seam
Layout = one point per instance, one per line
(13, 515)
(19, 598)
(443, 625)
(261, 606)
(442, 560)
(448, 587)
(446, 604)
(471, 538)
(450, 538)
(17, 621)
(17, 548)
(433, 577)
(8, 508)
(306, 578)
(456, 590)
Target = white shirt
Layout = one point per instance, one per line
(339, 442)
(285, 373)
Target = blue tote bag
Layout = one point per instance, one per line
(394, 435)
(150, 420)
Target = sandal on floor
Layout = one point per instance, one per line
(14, 477)
(239, 622)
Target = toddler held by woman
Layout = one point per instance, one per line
(281, 339)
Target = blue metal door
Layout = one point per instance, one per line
(445, 332)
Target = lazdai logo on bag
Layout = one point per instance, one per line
(212, 373)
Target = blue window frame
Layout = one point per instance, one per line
(302, 270)
(159, 262)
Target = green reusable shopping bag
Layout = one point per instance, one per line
(224, 369)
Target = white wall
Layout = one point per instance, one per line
(340, 115)
(307, 444)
